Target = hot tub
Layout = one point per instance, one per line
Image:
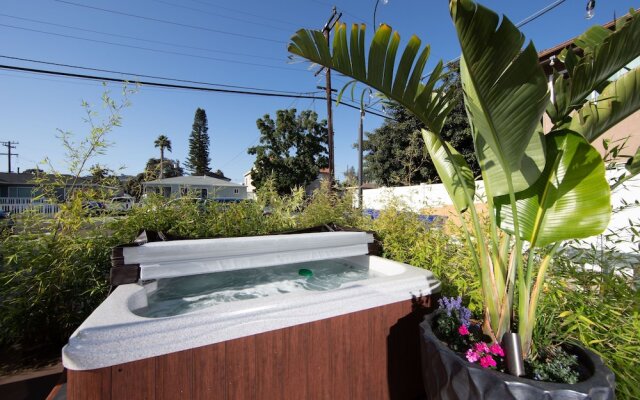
(300, 316)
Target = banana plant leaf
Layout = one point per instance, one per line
(605, 53)
(505, 94)
(617, 101)
(571, 199)
(453, 170)
(404, 84)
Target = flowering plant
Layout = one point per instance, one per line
(540, 189)
(454, 326)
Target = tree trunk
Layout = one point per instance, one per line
(161, 162)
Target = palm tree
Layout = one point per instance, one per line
(162, 142)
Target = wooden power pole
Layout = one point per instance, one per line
(333, 19)
(9, 145)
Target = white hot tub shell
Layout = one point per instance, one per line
(114, 334)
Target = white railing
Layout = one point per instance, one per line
(17, 205)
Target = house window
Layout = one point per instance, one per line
(21, 192)
(204, 194)
(236, 191)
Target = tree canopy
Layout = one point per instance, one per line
(395, 152)
(198, 160)
(292, 149)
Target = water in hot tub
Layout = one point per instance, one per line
(180, 295)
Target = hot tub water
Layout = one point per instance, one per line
(175, 296)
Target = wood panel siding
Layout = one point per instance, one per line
(370, 354)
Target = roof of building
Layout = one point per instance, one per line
(198, 180)
(15, 178)
(544, 56)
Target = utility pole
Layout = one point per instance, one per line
(9, 145)
(331, 22)
(360, 175)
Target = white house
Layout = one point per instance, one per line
(205, 187)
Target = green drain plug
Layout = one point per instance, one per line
(307, 273)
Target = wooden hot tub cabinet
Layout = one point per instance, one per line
(370, 354)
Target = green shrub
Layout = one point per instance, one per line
(596, 310)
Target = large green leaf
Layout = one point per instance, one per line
(571, 199)
(505, 93)
(617, 101)
(530, 168)
(605, 53)
(453, 170)
(403, 84)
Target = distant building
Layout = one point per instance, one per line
(21, 185)
(205, 187)
(323, 175)
(248, 182)
(627, 128)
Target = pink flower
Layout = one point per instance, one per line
(487, 361)
(472, 356)
(496, 350)
(463, 330)
(481, 347)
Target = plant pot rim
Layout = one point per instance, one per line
(601, 375)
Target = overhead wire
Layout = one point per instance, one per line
(200, 10)
(174, 86)
(179, 45)
(150, 49)
(244, 12)
(144, 75)
(169, 22)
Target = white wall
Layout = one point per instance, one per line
(415, 198)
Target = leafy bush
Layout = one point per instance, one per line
(596, 310)
(406, 238)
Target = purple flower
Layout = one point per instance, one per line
(453, 305)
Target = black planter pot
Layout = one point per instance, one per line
(448, 376)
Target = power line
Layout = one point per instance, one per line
(150, 49)
(341, 10)
(179, 45)
(164, 21)
(143, 75)
(172, 86)
(520, 24)
(244, 12)
(539, 13)
(200, 10)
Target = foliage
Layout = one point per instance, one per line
(599, 309)
(556, 365)
(395, 152)
(350, 177)
(53, 271)
(198, 160)
(163, 143)
(171, 169)
(541, 189)
(292, 149)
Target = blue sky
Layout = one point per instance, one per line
(251, 52)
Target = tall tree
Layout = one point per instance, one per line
(395, 152)
(162, 142)
(198, 160)
(170, 169)
(350, 177)
(292, 149)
